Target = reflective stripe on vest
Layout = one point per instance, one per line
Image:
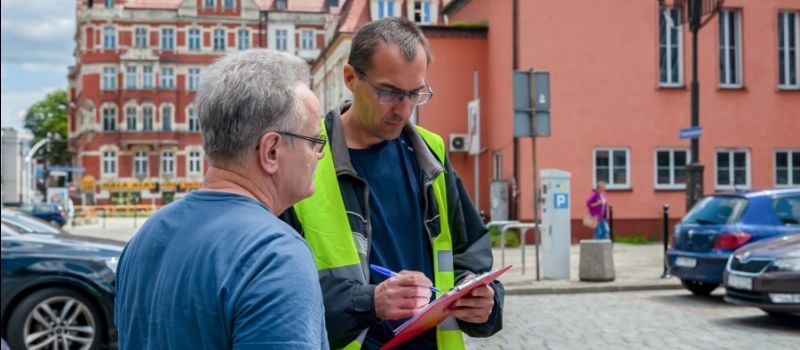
(327, 230)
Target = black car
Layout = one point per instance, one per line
(766, 274)
(26, 223)
(57, 290)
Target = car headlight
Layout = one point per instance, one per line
(787, 264)
(111, 263)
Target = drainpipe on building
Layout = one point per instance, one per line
(513, 213)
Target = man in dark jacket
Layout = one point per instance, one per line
(386, 195)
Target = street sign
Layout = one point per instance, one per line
(560, 201)
(691, 133)
(531, 92)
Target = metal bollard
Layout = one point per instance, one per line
(104, 219)
(135, 217)
(665, 229)
(611, 223)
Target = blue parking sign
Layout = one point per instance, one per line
(560, 201)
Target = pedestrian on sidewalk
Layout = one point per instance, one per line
(217, 269)
(388, 196)
(598, 205)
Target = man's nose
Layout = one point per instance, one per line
(404, 107)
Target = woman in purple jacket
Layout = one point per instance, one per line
(597, 209)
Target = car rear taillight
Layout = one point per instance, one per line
(731, 241)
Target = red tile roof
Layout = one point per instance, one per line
(355, 14)
(296, 5)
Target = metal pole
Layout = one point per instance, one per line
(694, 181)
(665, 231)
(611, 223)
(477, 156)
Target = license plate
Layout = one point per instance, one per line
(739, 282)
(686, 262)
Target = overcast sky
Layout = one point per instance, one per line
(37, 43)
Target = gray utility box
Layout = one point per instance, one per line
(597, 260)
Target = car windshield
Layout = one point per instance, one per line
(28, 224)
(787, 209)
(716, 210)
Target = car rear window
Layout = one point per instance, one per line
(45, 208)
(787, 209)
(30, 225)
(716, 210)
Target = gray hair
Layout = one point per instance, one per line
(388, 30)
(245, 94)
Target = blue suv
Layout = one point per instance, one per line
(721, 223)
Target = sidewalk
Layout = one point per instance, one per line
(636, 266)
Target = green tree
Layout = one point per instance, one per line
(49, 115)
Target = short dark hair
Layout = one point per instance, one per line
(388, 30)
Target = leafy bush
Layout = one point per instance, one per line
(511, 237)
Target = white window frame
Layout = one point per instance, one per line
(611, 185)
(151, 120)
(167, 39)
(128, 118)
(727, 68)
(424, 12)
(669, 31)
(243, 39)
(141, 163)
(148, 77)
(109, 161)
(281, 37)
(193, 79)
(167, 120)
(140, 37)
(748, 167)
(108, 3)
(791, 181)
(167, 80)
(307, 41)
(784, 50)
(228, 4)
(672, 185)
(167, 163)
(209, 3)
(194, 165)
(196, 39)
(219, 39)
(130, 78)
(109, 38)
(113, 118)
(109, 79)
(385, 8)
(192, 121)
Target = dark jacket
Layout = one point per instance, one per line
(349, 304)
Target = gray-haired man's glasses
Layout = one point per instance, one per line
(395, 97)
(319, 142)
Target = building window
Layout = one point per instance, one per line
(195, 163)
(194, 79)
(147, 118)
(194, 123)
(385, 8)
(670, 52)
(167, 78)
(733, 169)
(109, 119)
(166, 118)
(789, 50)
(422, 11)
(108, 3)
(787, 168)
(308, 40)
(219, 39)
(167, 164)
(280, 4)
(130, 77)
(147, 77)
(140, 37)
(281, 39)
(130, 118)
(109, 163)
(109, 78)
(244, 39)
(611, 165)
(730, 48)
(140, 164)
(228, 4)
(671, 168)
(109, 38)
(167, 39)
(194, 39)
(210, 3)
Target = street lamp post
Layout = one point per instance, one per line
(694, 170)
(31, 185)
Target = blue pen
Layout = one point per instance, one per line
(389, 273)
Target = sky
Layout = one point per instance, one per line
(37, 43)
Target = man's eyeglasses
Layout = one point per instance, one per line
(319, 142)
(395, 97)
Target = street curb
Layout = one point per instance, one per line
(589, 289)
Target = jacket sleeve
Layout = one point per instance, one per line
(472, 251)
(349, 305)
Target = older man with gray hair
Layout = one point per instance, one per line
(217, 269)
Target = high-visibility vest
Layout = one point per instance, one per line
(327, 230)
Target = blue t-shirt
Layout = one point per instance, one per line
(399, 240)
(217, 270)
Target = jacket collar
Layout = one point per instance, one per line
(428, 163)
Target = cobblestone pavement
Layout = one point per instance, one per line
(672, 319)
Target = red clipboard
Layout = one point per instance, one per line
(433, 314)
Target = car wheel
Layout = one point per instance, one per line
(698, 287)
(55, 318)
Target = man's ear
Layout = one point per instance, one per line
(349, 74)
(269, 148)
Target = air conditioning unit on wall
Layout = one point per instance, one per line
(458, 143)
